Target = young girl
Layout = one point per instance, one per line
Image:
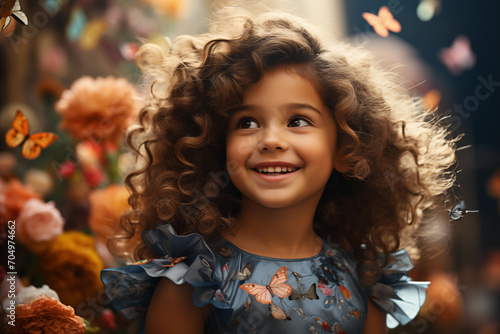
(283, 173)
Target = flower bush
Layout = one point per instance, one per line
(81, 191)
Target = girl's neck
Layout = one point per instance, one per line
(285, 233)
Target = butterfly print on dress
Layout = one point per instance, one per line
(277, 286)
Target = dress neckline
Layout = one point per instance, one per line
(321, 253)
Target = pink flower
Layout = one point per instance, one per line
(38, 221)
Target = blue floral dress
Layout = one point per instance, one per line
(256, 294)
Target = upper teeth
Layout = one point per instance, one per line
(276, 169)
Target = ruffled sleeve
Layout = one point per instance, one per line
(180, 259)
(399, 296)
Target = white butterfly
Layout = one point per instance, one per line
(17, 14)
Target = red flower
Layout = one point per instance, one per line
(67, 169)
(326, 326)
(93, 176)
(107, 320)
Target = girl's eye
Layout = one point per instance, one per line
(299, 121)
(247, 123)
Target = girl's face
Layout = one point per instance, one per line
(281, 142)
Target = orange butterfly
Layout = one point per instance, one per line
(34, 143)
(278, 287)
(383, 22)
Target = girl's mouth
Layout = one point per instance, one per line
(275, 170)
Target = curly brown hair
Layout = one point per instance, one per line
(399, 156)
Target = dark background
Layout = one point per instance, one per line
(479, 21)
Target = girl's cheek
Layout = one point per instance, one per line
(233, 168)
(239, 147)
(238, 150)
(246, 146)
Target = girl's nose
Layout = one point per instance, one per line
(272, 139)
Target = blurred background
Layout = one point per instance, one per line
(447, 52)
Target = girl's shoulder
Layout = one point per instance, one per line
(181, 259)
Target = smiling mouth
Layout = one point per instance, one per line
(275, 170)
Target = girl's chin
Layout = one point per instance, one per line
(273, 202)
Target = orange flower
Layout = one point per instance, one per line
(72, 267)
(106, 207)
(46, 315)
(14, 196)
(98, 109)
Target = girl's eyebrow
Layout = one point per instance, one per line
(295, 106)
(290, 106)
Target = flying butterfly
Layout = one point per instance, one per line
(383, 22)
(310, 294)
(459, 56)
(277, 286)
(11, 8)
(32, 144)
(459, 211)
(278, 313)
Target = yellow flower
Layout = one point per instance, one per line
(71, 266)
